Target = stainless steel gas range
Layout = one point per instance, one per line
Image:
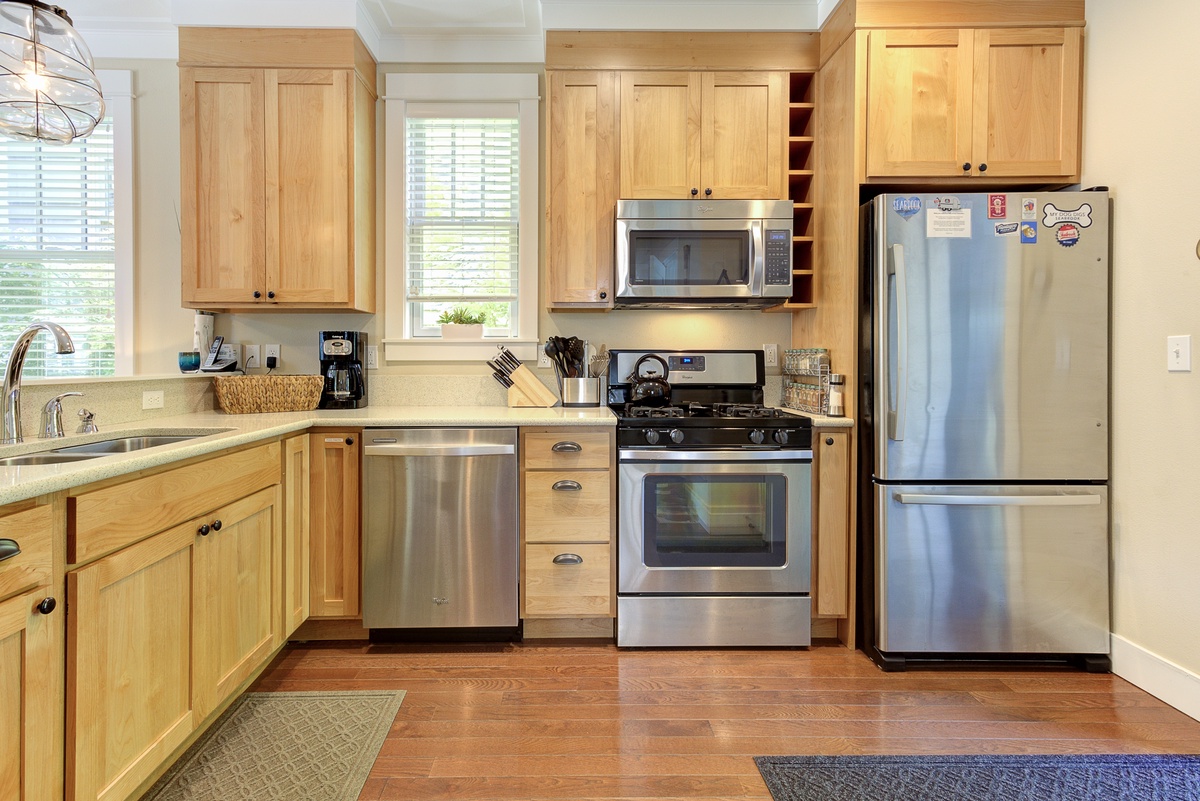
(714, 505)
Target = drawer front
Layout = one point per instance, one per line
(31, 530)
(104, 520)
(568, 450)
(568, 506)
(568, 590)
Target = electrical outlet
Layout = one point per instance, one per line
(770, 355)
(251, 354)
(372, 357)
(270, 351)
(1179, 354)
(543, 358)
(152, 399)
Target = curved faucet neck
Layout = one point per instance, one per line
(11, 400)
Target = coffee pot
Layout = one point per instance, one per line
(342, 356)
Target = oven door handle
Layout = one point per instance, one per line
(737, 455)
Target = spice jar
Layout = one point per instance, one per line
(837, 402)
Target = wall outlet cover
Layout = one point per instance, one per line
(252, 357)
(372, 357)
(152, 399)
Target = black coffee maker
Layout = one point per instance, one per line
(342, 356)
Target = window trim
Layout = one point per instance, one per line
(404, 88)
(117, 86)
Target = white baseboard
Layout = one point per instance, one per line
(1160, 677)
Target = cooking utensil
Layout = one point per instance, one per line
(650, 390)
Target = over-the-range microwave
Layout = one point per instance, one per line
(703, 253)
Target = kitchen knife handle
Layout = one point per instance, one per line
(898, 413)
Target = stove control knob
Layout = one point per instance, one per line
(757, 436)
(676, 435)
(780, 436)
(651, 436)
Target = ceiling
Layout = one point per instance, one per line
(427, 31)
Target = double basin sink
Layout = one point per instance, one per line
(105, 447)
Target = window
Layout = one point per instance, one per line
(462, 220)
(65, 242)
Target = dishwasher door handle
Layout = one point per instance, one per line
(439, 450)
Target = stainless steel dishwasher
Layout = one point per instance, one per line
(440, 547)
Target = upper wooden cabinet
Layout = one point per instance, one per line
(715, 135)
(999, 103)
(278, 170)
(581, 194)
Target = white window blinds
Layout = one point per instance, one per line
(463, 212)
(57, 250)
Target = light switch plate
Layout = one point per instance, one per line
(1179, 354)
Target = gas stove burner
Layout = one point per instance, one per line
(655, 411)
(752, 410)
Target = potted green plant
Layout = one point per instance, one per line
(462, 322)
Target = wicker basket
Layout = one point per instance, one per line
(252, 394)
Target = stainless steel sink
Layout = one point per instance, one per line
(47, 457)
(127, 444)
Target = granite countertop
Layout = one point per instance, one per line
(223, 431)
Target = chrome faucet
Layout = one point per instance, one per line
(12, 374)
(52, 424)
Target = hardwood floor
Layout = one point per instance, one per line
(590, 722)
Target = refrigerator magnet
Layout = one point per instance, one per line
(1052, 215)
(906, 206)
(1028, 233)
(997, 207)
(1067, 235)
(1006, 228)
(1029, 208)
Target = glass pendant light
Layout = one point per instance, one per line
(48, 87)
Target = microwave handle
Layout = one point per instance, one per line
(758, 267)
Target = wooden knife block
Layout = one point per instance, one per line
(527, 390)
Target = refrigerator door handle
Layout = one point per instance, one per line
(997, 500)
(897, 414)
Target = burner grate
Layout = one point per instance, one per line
(655, 411)
(747, 410)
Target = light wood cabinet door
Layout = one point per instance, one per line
(578, 584)
(562, 506)
(296, 510)
(582, 189)
(129, 664)
(919, 85)
(741, 135)
(832, 491)
(223, 182)
(660, 134)
(31, 704)
(237, 595)
(334, 538)
(1027, 94)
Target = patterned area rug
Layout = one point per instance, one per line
(982, 778)
(313, 746)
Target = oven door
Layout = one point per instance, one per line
(664, 260)
(714, 521)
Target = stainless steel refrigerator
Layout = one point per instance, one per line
(984, 438)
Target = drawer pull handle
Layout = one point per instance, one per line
(566, 485)
(568, 559)
(566, 447)
(9, 549)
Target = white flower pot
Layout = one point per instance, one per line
(462, 331)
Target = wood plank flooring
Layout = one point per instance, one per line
(590, 722)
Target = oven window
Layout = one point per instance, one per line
(691, 258)
(699, 520)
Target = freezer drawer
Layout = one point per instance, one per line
(992, 569)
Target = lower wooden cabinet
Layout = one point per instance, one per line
(296, 512)
(334, 538)
(568, 580)
(833, 550)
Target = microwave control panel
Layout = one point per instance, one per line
(777, 260)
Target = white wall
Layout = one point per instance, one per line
(1142, 116)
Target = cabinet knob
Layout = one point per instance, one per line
(708, 192)
(603, 295)
(271, 294)
(257, 294)
(695, 191)
(983, 168)
(47, 606)
(829, 440)
(568, 559)
(349, 440)
(566, 447)
(203, 530)
(966, 166)
(566, 485)
(216, 525)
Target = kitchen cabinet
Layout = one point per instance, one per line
(31, 648)
(707, 135)
(832, 545)
(581, 197)
(999, 103)
(297, 506)
(568, 501)
(173, 607)
(277, 172)
(334, 537)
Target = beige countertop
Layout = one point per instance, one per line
(230, 430)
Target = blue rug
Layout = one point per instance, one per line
(1111, 777)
